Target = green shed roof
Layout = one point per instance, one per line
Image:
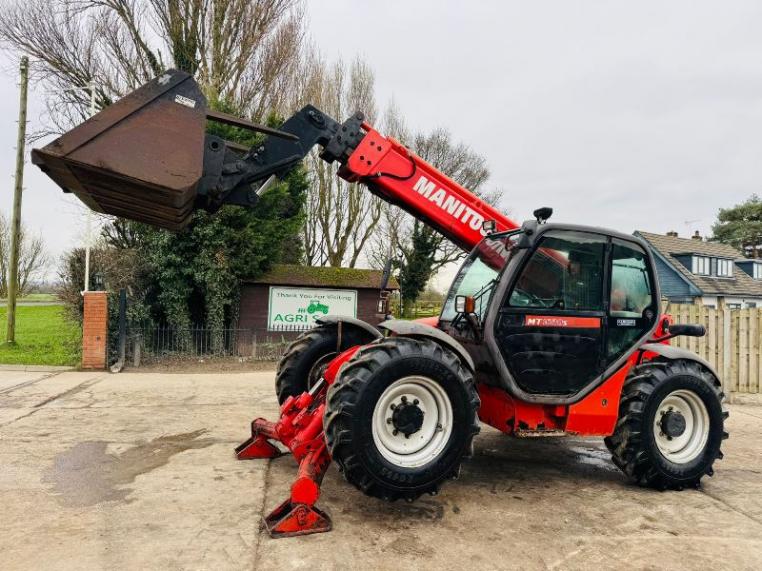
(311, 276)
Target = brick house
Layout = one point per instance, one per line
(695, 270)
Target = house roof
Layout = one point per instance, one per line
(741, 284)
(311, 276)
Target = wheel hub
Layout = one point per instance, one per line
(681, 426)
(412, 421)
(673, 423)
(318, 369)
(407, 417)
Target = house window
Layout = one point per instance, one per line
(757, 271)
(701, 265)
(724, 268)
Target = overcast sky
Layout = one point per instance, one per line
(631, 115)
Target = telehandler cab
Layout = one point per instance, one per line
(548, 329)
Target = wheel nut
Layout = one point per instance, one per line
(395, 432)
(439, 428)
(388, 421)
(394, 406)
(404, 399)
(415, 402)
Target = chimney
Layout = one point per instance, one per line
(696, 236)
(672, 234)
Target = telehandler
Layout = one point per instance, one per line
(548, 329)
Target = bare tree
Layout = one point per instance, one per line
(32, 257)
(110, 267)
(243, 52)
(458, 161)
(340, 217)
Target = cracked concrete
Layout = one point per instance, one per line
(137, 471)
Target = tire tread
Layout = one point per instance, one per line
(342, 399)
(626, 443)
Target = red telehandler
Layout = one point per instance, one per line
(548, 329)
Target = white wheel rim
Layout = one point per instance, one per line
(690, 444)
(427, 443)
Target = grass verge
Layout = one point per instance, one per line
(43, 337)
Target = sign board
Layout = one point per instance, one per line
(297, 308)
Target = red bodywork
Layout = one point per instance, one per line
(397, 175)
(300, 429)
(420, 189)
(594, 415)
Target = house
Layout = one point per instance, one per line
(289, 298)
(694, 270)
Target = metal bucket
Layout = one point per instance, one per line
(141, 158)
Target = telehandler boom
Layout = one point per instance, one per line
(548, 329)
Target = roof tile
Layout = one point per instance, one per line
(740, 284)
(312, 276)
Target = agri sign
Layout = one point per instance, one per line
(298, 308)
(450, 204)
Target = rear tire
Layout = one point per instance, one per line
(306, 358)
(671, 425)
(393, 388)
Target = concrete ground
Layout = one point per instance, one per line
(137, 471)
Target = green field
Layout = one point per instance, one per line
(35, 298)
(43, 337)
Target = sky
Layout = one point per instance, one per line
(630, 115)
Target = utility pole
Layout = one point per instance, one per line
(89, 232)
(13, 271)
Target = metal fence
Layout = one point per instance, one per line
(165, 342)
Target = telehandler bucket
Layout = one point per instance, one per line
(141, 158)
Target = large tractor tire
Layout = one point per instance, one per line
(671, 425)
(307, 357)
(400, 417)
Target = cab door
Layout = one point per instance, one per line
(633, 304)
(551, 326)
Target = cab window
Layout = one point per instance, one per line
(565, 272)
(630, 283)
(632, 307)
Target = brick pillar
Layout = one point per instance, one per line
(94, 330)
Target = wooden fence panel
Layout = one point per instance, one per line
(732, 344)
(743, 350)
(758, 340)
(733, 369)
(753, 351)
(711, 336)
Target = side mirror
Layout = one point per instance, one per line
(383, 306)
(464, 304)
(488, 226)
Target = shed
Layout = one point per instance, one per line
(290, 297)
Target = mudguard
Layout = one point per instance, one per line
(413, 329)
(674, 353)
(372, 332)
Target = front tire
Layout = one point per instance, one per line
(307, 357)
(400, 417)
(671, 425)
